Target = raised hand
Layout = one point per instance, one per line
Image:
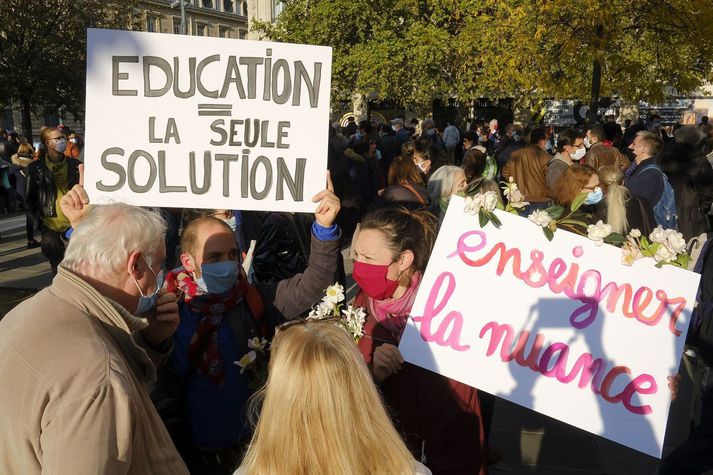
(329, 205)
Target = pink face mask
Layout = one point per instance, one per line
(372, 279)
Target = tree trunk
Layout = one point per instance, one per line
(596, 85)
(26, 118)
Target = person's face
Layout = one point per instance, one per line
(372, 147)
(420, 161)
(467, 143)
(635, 146)
(590, 137)
(214, 243)
(572, 149)
(459, 182)
(591, 184)
(371, 248)
(56, 138)
(144, 274)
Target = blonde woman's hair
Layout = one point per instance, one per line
(616, 195)
(321, 413)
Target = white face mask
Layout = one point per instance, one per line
(587, 143)
(578, 154)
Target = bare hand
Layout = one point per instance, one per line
(387, 361)
(75, 203)
(674, 381)
(329, 205)
(164, 320)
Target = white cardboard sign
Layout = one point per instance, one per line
(196, 122)
(561, 327)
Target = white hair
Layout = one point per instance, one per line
(102, 242)
(441, 182)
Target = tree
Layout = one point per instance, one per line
(574, 49)
(413, 51)
(43, 46)
(407, 51)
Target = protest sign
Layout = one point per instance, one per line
(562, 327)
(196, 122)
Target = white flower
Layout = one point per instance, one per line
(246, 361)
(490, 200)
(540, 218)
(472, 204)
(675, 241)
(664, 254)
(635, 233)
(354, 319)
(321, 310)
(630, 254)
(658, 235)
(256, 343)
(334, 294)
(597, 232)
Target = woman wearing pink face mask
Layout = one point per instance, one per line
(439, 418)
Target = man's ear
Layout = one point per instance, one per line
(132, 264)
(188, 262)
(405, 260)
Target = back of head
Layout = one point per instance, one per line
(102, 242)
(689, 135)
(321, 413)
(189, 236)
(616, 195)
(570, 183)
(441, 182)
(25, 150)
(474, 162)
(612, 130)
(403, 171)
(537, 135)
(597, 131)
(405, 230)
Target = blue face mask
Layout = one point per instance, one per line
(594, 197)
(61, 145)
(218, 277)
(232, 222)
(148, 302)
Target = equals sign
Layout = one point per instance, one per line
(215, 110)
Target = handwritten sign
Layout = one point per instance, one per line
(196, 122)
(561, 327)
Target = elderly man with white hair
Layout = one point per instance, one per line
(75, 359)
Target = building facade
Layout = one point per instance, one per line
(216, 18)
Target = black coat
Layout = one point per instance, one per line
(691, 177)
(41, 189)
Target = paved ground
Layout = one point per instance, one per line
(530, 442)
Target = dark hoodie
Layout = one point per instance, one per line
(19, 168)
(691, 177)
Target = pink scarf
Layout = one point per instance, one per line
(393, 313)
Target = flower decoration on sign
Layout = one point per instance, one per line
(352, 318)
(665, 246)
(254, 362)
(554, 217)
(515, 198)
(483, 205)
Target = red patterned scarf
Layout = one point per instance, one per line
(212, 308)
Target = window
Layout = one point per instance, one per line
(152, 24)
(207, 3)
(243, 34)
(228, 6)
(176, 26)
(245, 8)
(277, 7)
(201, 29)
(223, 32)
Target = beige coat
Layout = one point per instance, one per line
(72, 394)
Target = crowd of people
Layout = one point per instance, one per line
(175, 341)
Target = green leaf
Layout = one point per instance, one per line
(482, 218)
(548, 233)
(554, 211)
(495, 220)
(615, 238)
(578, 201)
(573, 222)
